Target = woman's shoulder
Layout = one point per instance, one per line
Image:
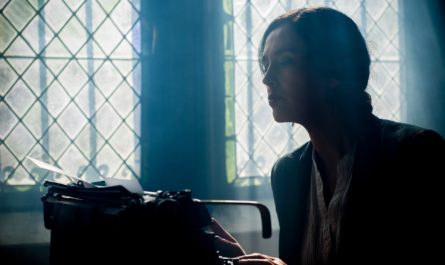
(292, 166)
(294, 156)
(408, 143)
(291, 172)
(404, 133)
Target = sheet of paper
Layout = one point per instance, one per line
(132, 185)
(60, 171)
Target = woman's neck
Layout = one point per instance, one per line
(331, 137)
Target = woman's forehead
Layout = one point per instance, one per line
(282, 39)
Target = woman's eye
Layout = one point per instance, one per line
(285, 61)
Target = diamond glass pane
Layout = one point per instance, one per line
(254, 139)
(70, 89)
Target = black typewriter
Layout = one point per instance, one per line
(100, 225)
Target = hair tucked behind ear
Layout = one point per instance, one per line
(335, 50)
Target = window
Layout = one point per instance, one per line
(253, 139)
(70, 89)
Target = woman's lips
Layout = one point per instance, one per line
(273, 101)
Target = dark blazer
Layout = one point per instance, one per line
(393, 211)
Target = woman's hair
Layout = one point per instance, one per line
(334, 48)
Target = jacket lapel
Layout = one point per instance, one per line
(303, 176)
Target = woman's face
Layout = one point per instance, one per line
(292, 93)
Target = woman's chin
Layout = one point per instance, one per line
(279, 118)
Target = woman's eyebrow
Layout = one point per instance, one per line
(285, 50)
(264, 58)
(278, 52)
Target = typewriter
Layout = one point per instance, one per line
(100, 225)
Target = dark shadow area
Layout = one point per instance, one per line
(36, 254)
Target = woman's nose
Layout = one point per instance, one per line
(268, 78)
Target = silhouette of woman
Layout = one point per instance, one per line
(363, 190)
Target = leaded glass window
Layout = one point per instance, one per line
(253, 139)
(69, 90)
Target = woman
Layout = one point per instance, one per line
(363, 190)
